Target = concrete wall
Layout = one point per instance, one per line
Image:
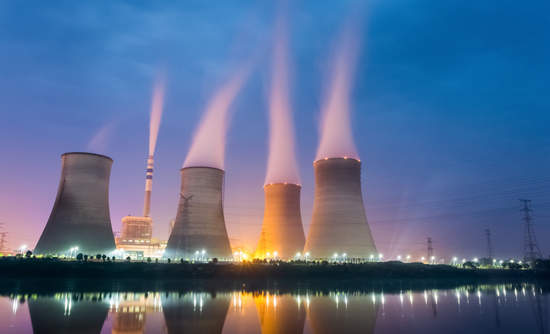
(339, 224)
(200, 221)
(80, 216)
(282, 229)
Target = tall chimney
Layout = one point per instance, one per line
(80, 215)
(148, 187)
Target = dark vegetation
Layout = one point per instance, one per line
(103, 267)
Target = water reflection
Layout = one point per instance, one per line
(195, 312)
(68, 313)
(508, 308)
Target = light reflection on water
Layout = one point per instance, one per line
(467, 309)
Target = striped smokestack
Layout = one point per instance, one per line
(148, 187)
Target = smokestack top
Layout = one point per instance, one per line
(331, 159)
(86, 153)
(289, 184)
(221, 170)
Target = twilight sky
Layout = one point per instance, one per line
(450, 110)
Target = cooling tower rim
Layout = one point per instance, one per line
(282, 183)
(335, 158)
(87, 153)
(202, 167)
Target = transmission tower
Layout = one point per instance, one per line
(430, 250)
(489, 244)
(531, 250)
(3, 236)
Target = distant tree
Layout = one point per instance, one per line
(181, 261)
(168, 260)
(113, 258)
(469, 265)
(148, 260)
(98, 256)
(156, 260)
(28, 254)
(128, 259)
(104, 257)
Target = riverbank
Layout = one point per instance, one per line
(50, 268)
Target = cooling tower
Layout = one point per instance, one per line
(195, 313)
(80, 216)
(280, 314)
(282, 230)
(339, 224)
(342, 313)
(200, 223)
(67, 314)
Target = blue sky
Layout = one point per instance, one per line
(450, 109)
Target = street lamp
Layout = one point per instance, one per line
(398, 257)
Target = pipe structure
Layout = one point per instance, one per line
(339, 225)
(282, 233)
(199, 230)
(80, 215)
(148, 187)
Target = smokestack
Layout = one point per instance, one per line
(282, 230)
(80, 216)
(200, 223)
(148, 187)
(339, 224)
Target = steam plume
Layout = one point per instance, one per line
(335, 128)
(156, 115)
(100, 140)
(281, 166)
(208, 147)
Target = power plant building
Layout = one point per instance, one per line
(199, 230)
(80, 215)
(282, 233)
(339, 225)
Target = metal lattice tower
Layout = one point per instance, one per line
(3, 236)
(489, 244)
(531, 249)
(430, 250)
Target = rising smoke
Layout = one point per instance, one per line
(282, 165)
(208, 147)
(156, 115)
(335, 127)
(100, 140)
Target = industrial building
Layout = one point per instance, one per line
(282, 233)
(339, 227)
(199, 230)
(136, 239)
(80, 215)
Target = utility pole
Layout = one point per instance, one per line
(531, 251)
(430, 250)
(489, 245)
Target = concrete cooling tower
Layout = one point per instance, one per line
(200, 223)
(282, 232)
(80, 216)
(339, 224)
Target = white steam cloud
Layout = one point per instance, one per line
(282, 165)
(100, 140)
(335, 127)
(156, 114)
(208, 147)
